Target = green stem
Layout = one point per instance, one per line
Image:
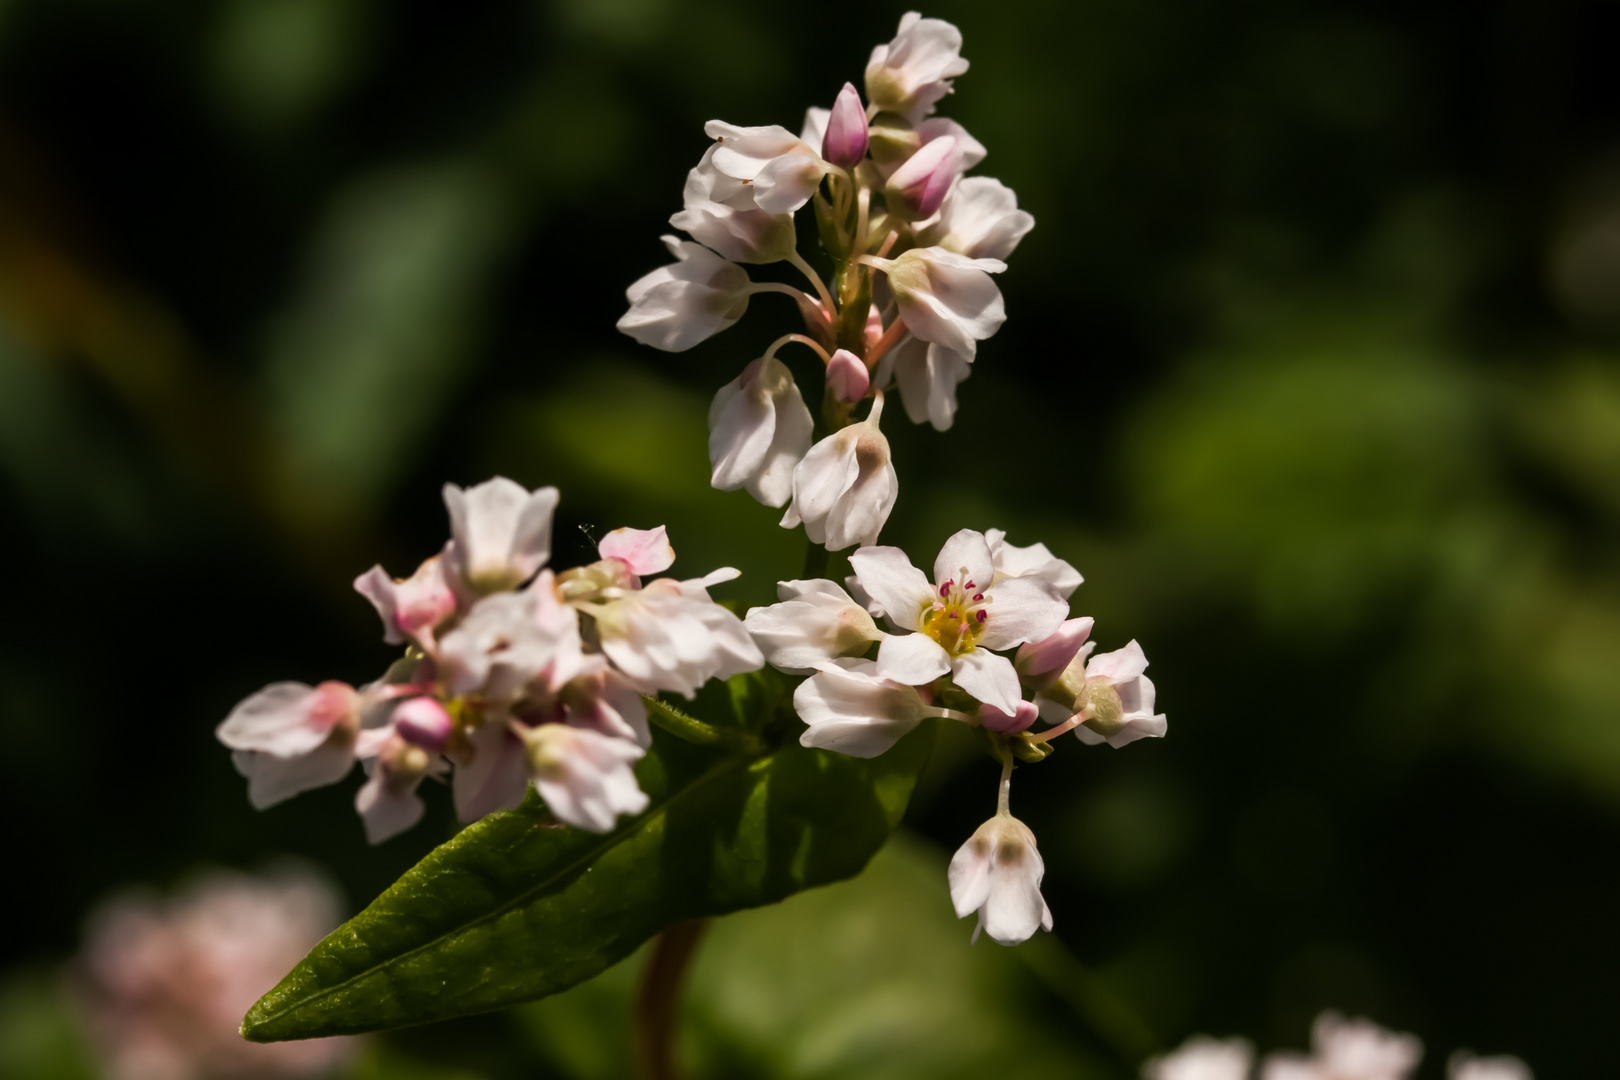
(693, 730)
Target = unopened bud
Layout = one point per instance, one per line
(845, 141)
(847, 377)
(1041, 663)
(1107, 710)
(424, 722)
(918, 187)
(1008, 723)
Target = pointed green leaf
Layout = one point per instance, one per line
(517, 907)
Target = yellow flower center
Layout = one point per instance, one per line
(957, 617)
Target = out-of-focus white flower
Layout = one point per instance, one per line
(927, 376)
(1463, 1065)
(1037, 559)
(979, 219)
(500, 533)
(759, 430)
(162, 984)
(1120, 697)
(845, 487)
(643, 551)
(912, 72)
(851, 709)
(677, 306)
(917, 189)
(720, 213)
(583, 775)
(847, 377)
(955, 622)
(289, 738)
(666, 638)
(504, 643)
(997, 874)
(490, 772)
(1041, 663)
(387, 802)
(781, 169)
(410, 607)
(945, 298)
(816, 622)
(1203, 1058)
(844, 132)
(1348, 1050)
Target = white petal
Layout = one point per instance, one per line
(860, 514)
(815, 125)
(913, 659)
(772, 484)
(1120, 665)
(787, 182)
(742, 423)
(965, 559)
(274, 779)
(277, 720)
(899, 588)
(493, 778)
(384, 812)
(827, 471)
(928, 376)
(990, 678)
(969, 875)
(1020, 610)
(1036, 559)
(853, 713)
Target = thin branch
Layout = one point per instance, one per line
(802, 340)
(815, 279)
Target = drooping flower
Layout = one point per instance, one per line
(1348, 1050)
(290, 738)
(912, 72)
(945, 298)
(815, 622)
(850, 708)
(500, 533)
(759, 430)
(720, 213)
(781, 169)
(1203, 1058)
(387, 802)
(845, 487)
(927, 376)
(1037, 559)
(583, 775)
(997, 874)
(979, 219)
(951, 626)
(844, 134)
(689, 301)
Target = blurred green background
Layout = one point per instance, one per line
(1312, 367)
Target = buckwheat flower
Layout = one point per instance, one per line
(979, 219)
(735, 651)
(604, 701)
(721, 214)
(1348, 1050)
(851, 709)
(677, 306)
(1037, 559)
(938, 127)
(490, 771)
(290, 737)
(945, 298)
(927, 376)
(997, 874)
(816, 622)
(845, 487)
(584, 776)
(410, 607)
(1203, 1058)
(951, 626)
(844, 138)
(388, 803)
(917, 189)
(781, 169)
(1463, 1065)
(912, 72)
(500, 533)
(814, 130)
(504, 643)
(1120, 698)
(759, 430)
(664, 638)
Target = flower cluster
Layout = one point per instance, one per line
(944, 655)
(1341, 1049)
(912, 242)
(512, 674)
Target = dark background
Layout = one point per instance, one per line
(1312, 367)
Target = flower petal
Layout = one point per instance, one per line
(900, 589)
(989, 677)
(913, 659)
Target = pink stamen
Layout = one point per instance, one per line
(978, 596)
(983, 615)
(945, 589)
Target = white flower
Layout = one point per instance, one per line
(721, 214)
(845, 486)
(912, 72)
(1348, 1050)
(289, 738)
(670, 636)
(958, 619)
(980, 219)
(938, 127)
(1042, 663)
(1203, 1058)
(945, 298)
(850, 709)
(816, 622)
(388, 803)
(759, 430)
(1037, 559)
(816, 120)
(997, 873)
(1465, 1066)
(504, 643)
(500, 533)
(692, 299)
(410, 607)
(781, 169)
(927, 376)
(1120, 697)
(583, 775)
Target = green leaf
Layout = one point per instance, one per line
(517, 907)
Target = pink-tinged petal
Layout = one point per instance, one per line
(979, 219)
(787, 182)
(645, 551)
(1120, 665)
(988, 677)
(939, 127)
(492, 777)
(965, 559)
(897, 587)
(1009, 723)
(386, 812)
(423, 722)
(1041, 662)
(847, 377)
(845, 138)
(913, 659)
(917, 188)
(288, 719)
(273, 779)
(1020, 610)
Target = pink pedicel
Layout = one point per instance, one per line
(1008, 724)
(847, 377)
(845, 142)
(921, 184)
(423, 722)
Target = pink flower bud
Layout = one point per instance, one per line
(1008, 723)
(1040, 663)
(847, 377)
(423, 722)
(918, 187)
(874, 327)
(844, 144)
